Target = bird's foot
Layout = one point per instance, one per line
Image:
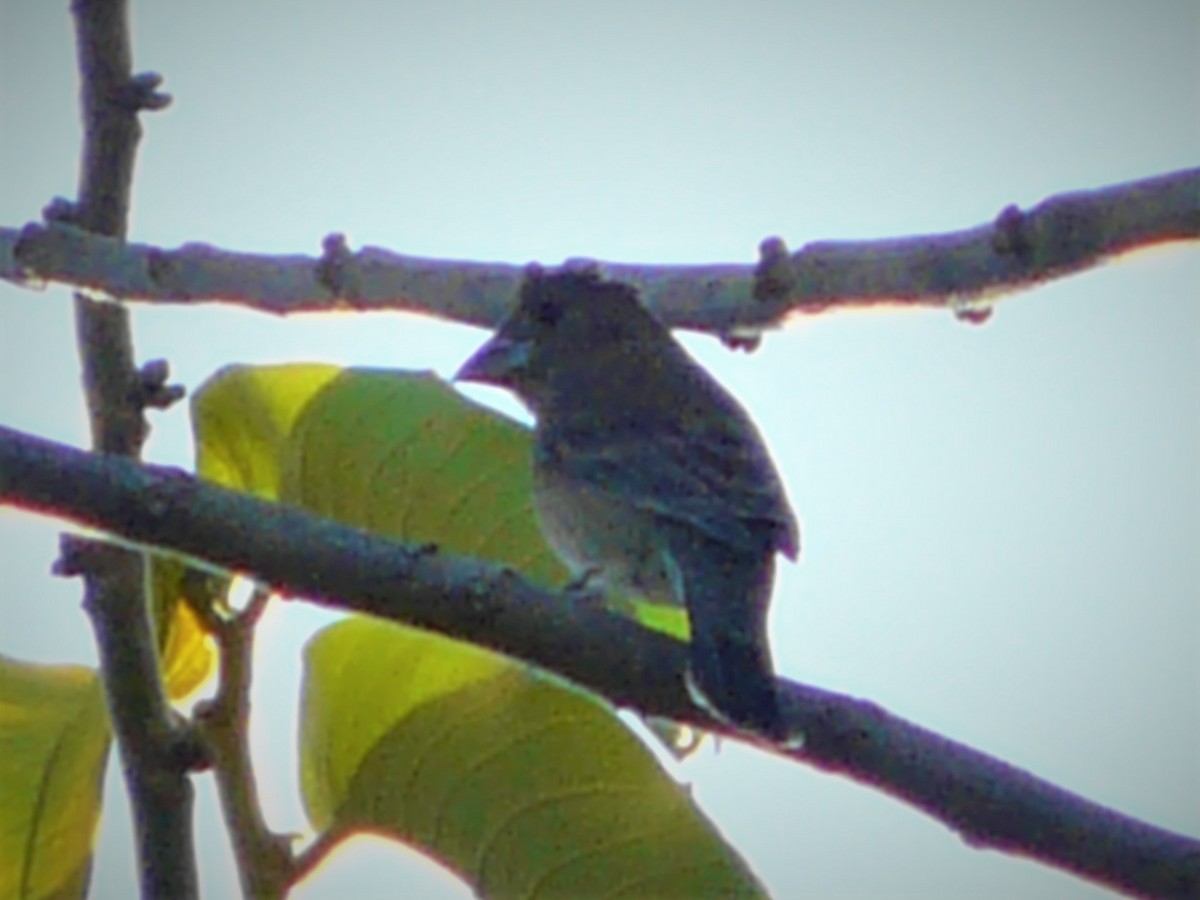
(587, 588)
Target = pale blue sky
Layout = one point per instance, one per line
(1000, 523)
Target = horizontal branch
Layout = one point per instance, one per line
(991, 803)
(961, 270)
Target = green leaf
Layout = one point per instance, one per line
(54, 741)
(405, 454)
(242, 419)
(187, 654)
(524, 787)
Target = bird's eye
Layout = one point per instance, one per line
(547, 311)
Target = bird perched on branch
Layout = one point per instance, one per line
(649, 476)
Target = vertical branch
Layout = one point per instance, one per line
(265, 860)
(153, 754)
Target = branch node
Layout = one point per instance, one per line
(334, 270)
(583, 265)
(77, 555)
(153, 390)
(972, 313)
(189, 750)
(60, 209)
(141, 92)
(1010, 235)
(26, 256)
(774, 277)
(747, 339)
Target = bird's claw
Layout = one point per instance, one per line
(587, 588)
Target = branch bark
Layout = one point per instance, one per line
(155, 757)
(265, 859)
(989, 802)
(963, 271)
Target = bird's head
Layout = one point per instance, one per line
(565, 327)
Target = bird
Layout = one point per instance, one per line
(649, 478)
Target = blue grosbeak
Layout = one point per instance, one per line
(649, 475)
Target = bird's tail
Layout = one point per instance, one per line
(727, 590)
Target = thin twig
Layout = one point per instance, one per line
(264, 858)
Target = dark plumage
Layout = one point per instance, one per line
(648, 474)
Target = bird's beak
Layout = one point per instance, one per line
(496, 362)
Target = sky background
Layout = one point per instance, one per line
(1000, 523)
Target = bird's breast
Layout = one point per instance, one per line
(593, 530)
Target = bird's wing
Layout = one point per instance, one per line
(726, 488)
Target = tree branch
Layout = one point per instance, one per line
(265, 859)
(154, 755)
(963, 271)
(991, 803)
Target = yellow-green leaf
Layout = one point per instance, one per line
(187, 655)
(521, 783)
(54, 741)
(242, 418)
(405, 454)
(524, 787)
